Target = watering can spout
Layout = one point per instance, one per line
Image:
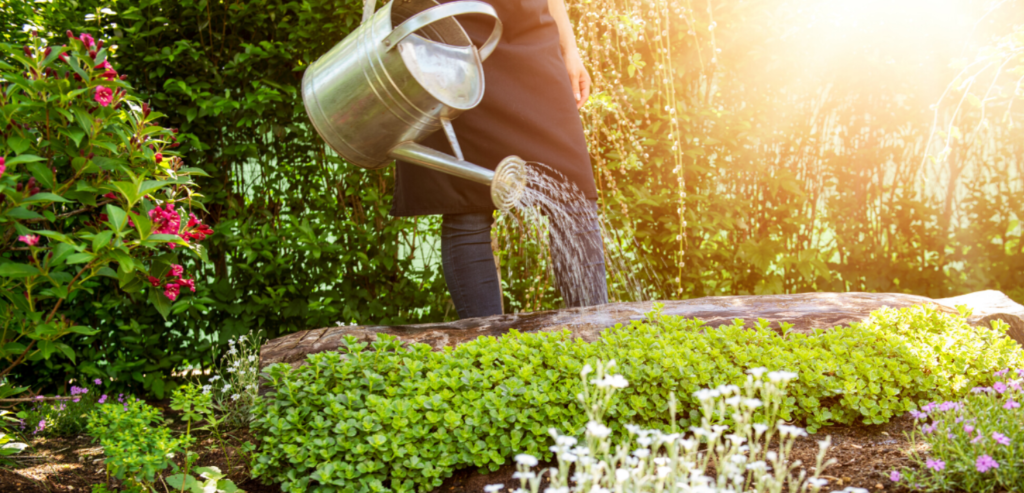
(507, 181)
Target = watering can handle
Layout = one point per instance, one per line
(445, 10)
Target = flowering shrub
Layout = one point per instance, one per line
(382, 411)
(737, 455)
(63, 417)
(90, 190)
(975, 444)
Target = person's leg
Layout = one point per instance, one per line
(577, 252)
(468, 264)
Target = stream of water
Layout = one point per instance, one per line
(554, 215)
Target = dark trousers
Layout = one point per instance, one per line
(469, 269)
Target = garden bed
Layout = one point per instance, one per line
(865, 454)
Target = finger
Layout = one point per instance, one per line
(574, 81)
(584, 89)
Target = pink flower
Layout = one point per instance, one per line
(918, 415)
(158, 157)
(87, 39)
(985, 463)
(176, 271)
(30, 240)
(102, 399)
(98, 381)
(1011, 404)
(935, 465)
(1000, 438)
(999, 387)
(104, 96)
(895, 476)
(977, 438)
(42, 426)
(171, 290)
(1002, 372)
(3, 165)
(191, 283)
(165, 220)
(968, 428)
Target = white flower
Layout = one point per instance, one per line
(621, 475)
(564, 440)
(736, 439)
(226, 388)
(235, 397)
(252, 358)
(760, 428)
(817, 482)
(641, 453)
(752, 403)
(241, 339)
(215, 378)
(733, 401)
(598, 430)
(661, 461)
(563, 489)
(568, 457)
(663, 472)
(523, 475)
(251, 387)
(232, 351)
(728, 389)
(758, 466)
(771, 455)
(719, 429)
(587, 369)
(493, 488)
(786, 430)
(599, 489)
(206, 389)
(644, 441)
(757, 372)
(232, 369)
(781, 376)
(231, 342)
(614, 381)
(526, 460)
(633, 429)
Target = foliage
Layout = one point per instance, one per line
(8, 445)
(91, 195)
(62, 417)
(235, 388)
(975, 444)
(303, 239)
(211, 480)
(651, 461)
(136, 450)
(381, 411)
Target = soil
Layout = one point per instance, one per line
(865, 456)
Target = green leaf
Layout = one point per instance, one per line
(160, 302)
(22, 213)
(101, 240)
(42, 173)
(80, 258)
(18, 145)
(24, 158)
(17, 270)
(116, 216)
(45, 197)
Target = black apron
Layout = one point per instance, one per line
(528, 109)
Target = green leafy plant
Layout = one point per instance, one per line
(137, 447)
(91, 189)
(66, 416)
(394, 418)
(210, 480)
(8, 444)
(974, 444)
(196, 404)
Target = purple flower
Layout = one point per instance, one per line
(935, 465)
(895, 476)
(918, 415)
(40, 397)
(968, 428)
(949, 406)
(928, 429)
(41, 427)
(1002, 372)
(1000, 438)
(1011, 404)
(929, 407)
(1020, 372)
(98, 382)
(979, 390)
(984, 463)
(999, 387)
(102, 399)
(977, 438)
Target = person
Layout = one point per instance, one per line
(535, 85)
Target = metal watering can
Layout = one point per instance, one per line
(380, 90)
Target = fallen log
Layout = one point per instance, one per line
(805, 311)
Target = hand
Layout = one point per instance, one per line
(579, 78)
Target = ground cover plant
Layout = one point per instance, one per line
(740, 445)
(974, 444)
(62, 417)
(388, 417)
(91, 190)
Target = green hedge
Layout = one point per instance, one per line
(383, 417)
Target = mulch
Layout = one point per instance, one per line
(865, 456)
